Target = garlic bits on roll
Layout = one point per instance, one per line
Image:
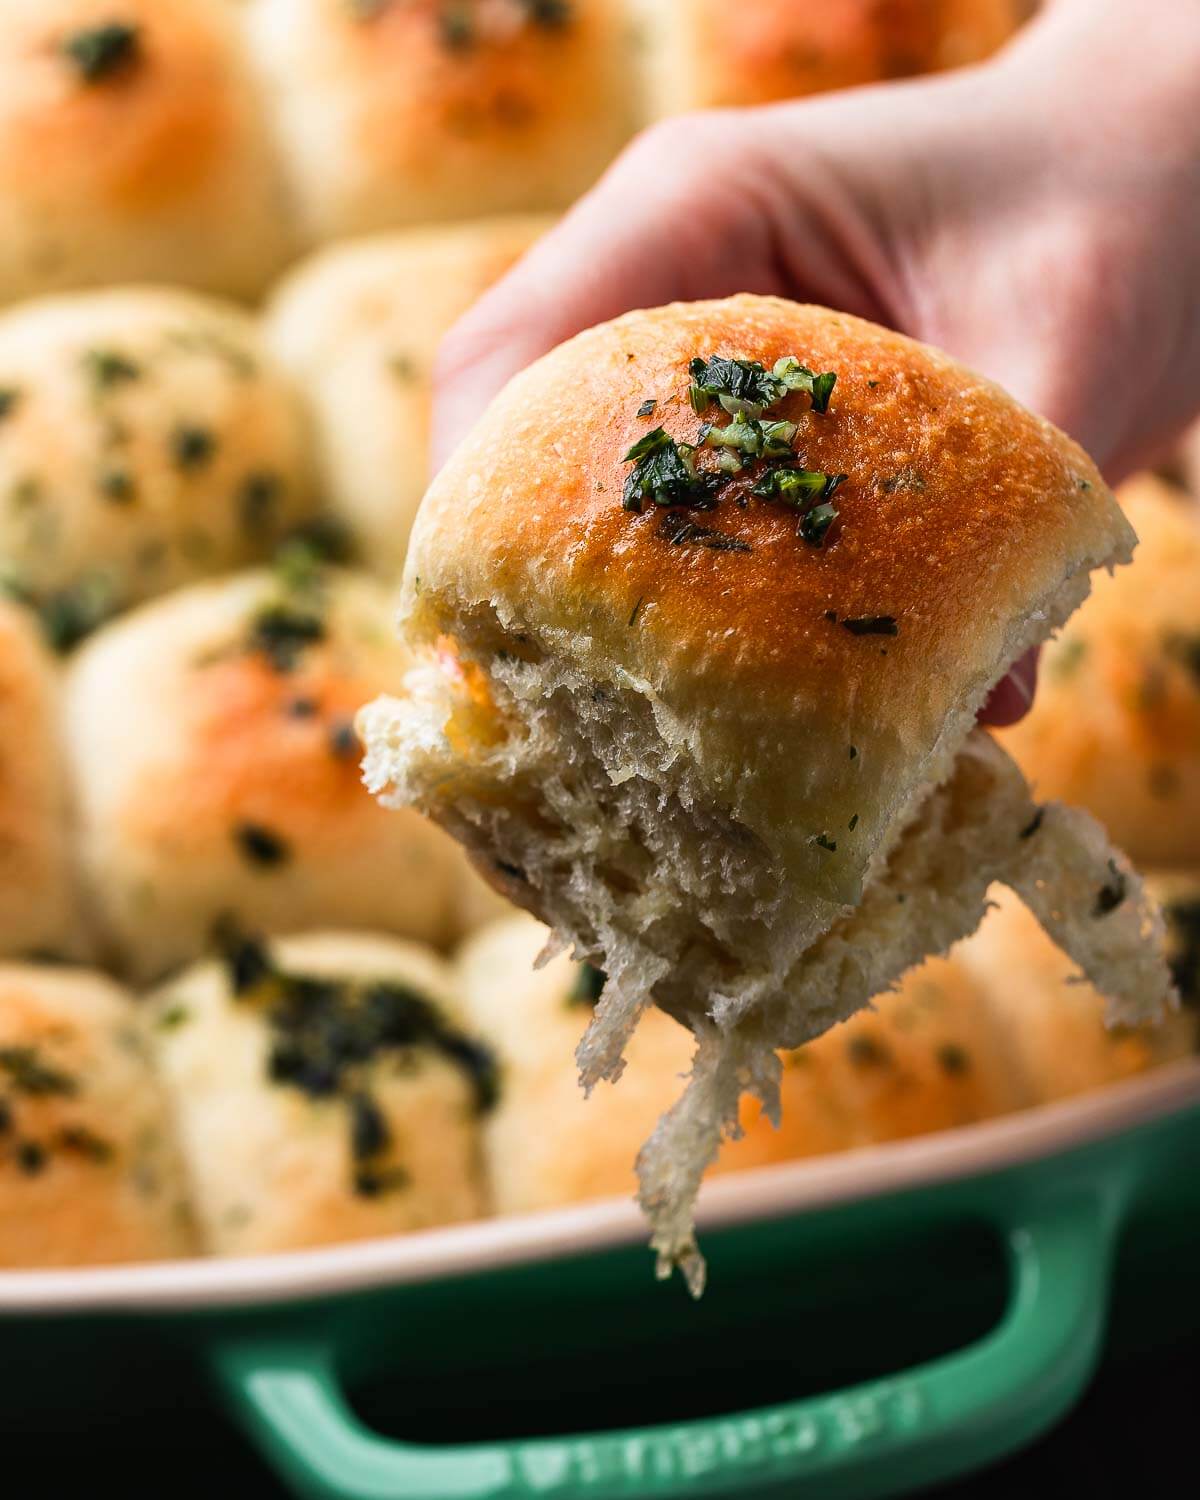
(705, 607)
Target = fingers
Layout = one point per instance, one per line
(1012, 699)
(666, 223)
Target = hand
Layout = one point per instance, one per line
(1038, 217)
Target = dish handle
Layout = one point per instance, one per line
(885, 1437)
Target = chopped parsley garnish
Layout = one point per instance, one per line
(456, 27)
(192, 447)
(551, 15)
(1186, 650)
(282, 632)
(872, 625)
(680, 532)
(747, 387)
(588, 986)
(326, 1035)
(31, 1158)
(10, 399)
(106, 368)
(664, 472)
(1112, 893)
(117, 486)
(797, 487)
(80, 1141)
(953, 1060)
(100, 51)
(174, 1017)
(257, 501)
(73, 613)
(866, 1052)
(647, 408)
(823, 841)
(853, 823)
(343, 741)
(751, 437)
(816, 522)
(26, 1073)
(261, 846)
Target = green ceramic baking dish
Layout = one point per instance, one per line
(876, 1321)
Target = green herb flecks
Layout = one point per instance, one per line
(100, 52)
(747, 387)
(679, 531)
(108, 368)
(823, 841)
(550, 15)
(872, 625)
(69, 615)
(258, 501)
(10, 399)
(25, 1072)
(262, 846)
(329, 1036)
(117, 486)
(664, 473)
(79, 1140)
(193, 447)
(953, 1060)
(282, 632)
(456, 26)
(866, 1052)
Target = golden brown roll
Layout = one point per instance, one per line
(701, 54)
(133, 146)
(398, 112)
(38, 910)
(216, 769)
(89, 1169)
(933, 1056)
(324, 1090)
(1116, 723)
(546, 1144)
(146, 439)
(705, 607)
(1053, 1022)
(358, 326)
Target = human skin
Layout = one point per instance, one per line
(1037, 216)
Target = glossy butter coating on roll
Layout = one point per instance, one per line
(1116, 723)
(133, 146)
(38, 909)
(89, 1170)
(358, 326)
(325, 1091)
(227, 779)
(399, 112)
(706, 606)
(146, 439)
(704, 54)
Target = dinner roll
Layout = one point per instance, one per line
(358, 326)
(133, 145)
(398, 112)
(89, 1170)
(1116, 723)
(705, 607)
(702, 55)
(324, 1090)
(146, 439)
(37, 908)
(216, 770)
(1054, 1023)
(545, 1144)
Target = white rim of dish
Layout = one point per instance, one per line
(491, 1244)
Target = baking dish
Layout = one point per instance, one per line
(281, 1339)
